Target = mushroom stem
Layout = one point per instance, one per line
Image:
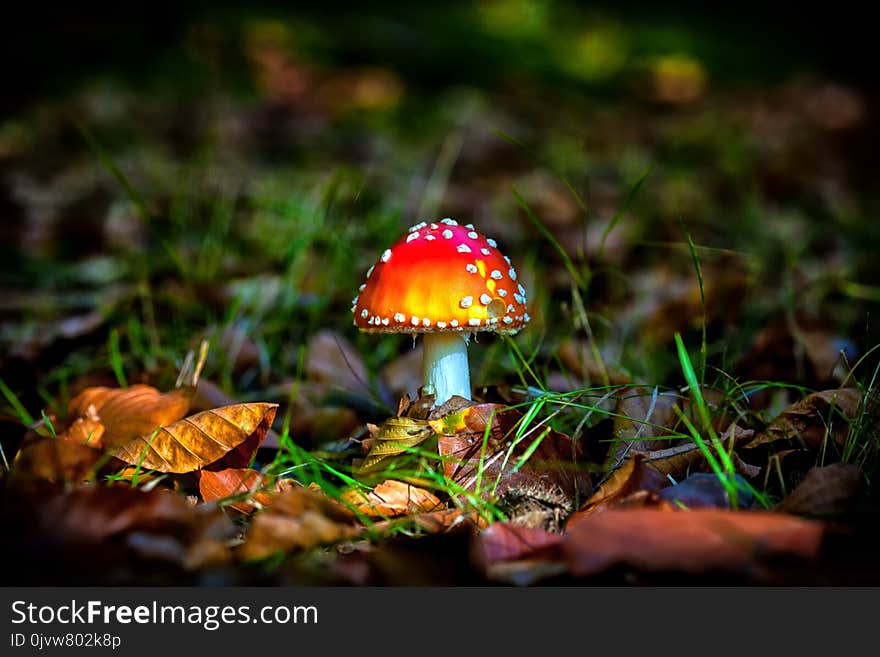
(445, 366)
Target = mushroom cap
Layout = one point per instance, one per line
(441, 277)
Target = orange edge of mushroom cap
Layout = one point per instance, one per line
(441, 277)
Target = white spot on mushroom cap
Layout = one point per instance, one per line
(370, 270)
(496, 274)
(441, 325)
(519, 298)
(510, 308)
(434, 226)
(399, 317)
(491, 242)
(527, 318)
(386, 255)
(473, 234)
(362, 287)
(485, 251)
(471, 226)
(414, 320)
(522, 290)
(463, 248)
(385, 321)
(474, 321)
(512, 273)
(508, 319)
(507, 260)
(417, 226)
(471, 268)
(485, 299)
(426, 321)
(502, 292)
(447, 234)
(453, 323)
(449, 222)
(466, 302)
(412, 236)
(430, 238)
(365, 313)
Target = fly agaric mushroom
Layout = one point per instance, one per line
(445, 281)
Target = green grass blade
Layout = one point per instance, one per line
(25, 417)
(699, 270)
(627, 202)
(116, 358)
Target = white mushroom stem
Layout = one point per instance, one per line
(445, 366)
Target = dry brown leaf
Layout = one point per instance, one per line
(825, 491)
(86, 430)
(502, 541)
(392, 498)
(248, 484)
(820, 415)
(701, 541)
(224, 437)
(298, 519)
(57, 460)
(127, 413)
(648, 420)
(680, 460)
(634, 475)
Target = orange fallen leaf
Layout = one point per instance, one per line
(222, 437)
(248, 484)
(697, 542)
(392, 498)
(127, 413)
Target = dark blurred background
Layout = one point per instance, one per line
(170, 170)
(47, 47)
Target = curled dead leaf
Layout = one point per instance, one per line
(127, 413)
(634, 475)
(813, 419)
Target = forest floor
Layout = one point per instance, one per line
(184, 393)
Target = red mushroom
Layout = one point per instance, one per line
(445, 281)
